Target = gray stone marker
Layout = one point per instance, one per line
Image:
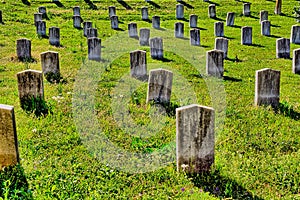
(212, 11)
(219, 29)
(156, 48)
(195, 37)
(24, 49)
(144, 36)
(222, 44)
(195, 138)
(30, 86)
(193, 21)
(76, 10)
(246, 10)
(215, 63)
(179, 11)
(267, 86)
(1, 20)
(264, 15)
(282, 48)
(156, 22)
(111, 11)
(179, 30)
(138, 64)
(54, 36)
(86, 25)
(132, 30)
(77, 20)
(145, 13)
(295, 34)
(50, 65)
(230, 19)
(246, 38)
(114, 22)
(37, 17)
(91, 32)
(42, 9)
(296, 61)
(94, 49)
(41, 28)
(266, 28)
(159, 86)
(9, 153)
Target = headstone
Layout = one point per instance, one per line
(219, 29)
(145, 13)
(144, 36)
(156, 22)
(9, 153)
(111, 11)
(267, 86)
(138, 64)
(215, 63)
(77, 20)
(266, 28)
(195, 37)
(1, 21)
(222, 44)
(24, 49)
(54, 36)
(179, 30)
(246, 10)
(42, 9)
(86, 26)
(156, 48)
(94, 49)
(30, 86)
(50, 65)
(295, 34)
(246, 38)
(114, 22)
(263, 15)
(195, 138)
(230, 19)
(159, 86)
(76, 10)
(179, 11)
(296, 61)
(282, 48)
(212, 11)
(91, 32)
(193, 21)
(41, 28)
(37, 17)
(132, 30)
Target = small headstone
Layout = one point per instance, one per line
(37, 17)
(212, 11)
(195, 37)
(222, 44)
(179, 30)
(144, 36)
(246, 38)
(296, 61)
(50, 65)
(230, 19)
(215, 63)
(138, 64)
(42, 9)
(263, 15)
(195, 138)
(111, 11)
(267, 86)
(86, 26)
(94, 49)
(179, 11)
(76, 10)
(9, 153)
(77, 20)
(54, 36)
(193, 21)
(266, 28)
(282, 48)
(156, 22)
(24, 49)
(156, 48)
(145, 13)
(41, 28)
(295, 34)
(132, 30)
(219, 29)
(159, 86)
(246, 10)
(91, 32)
(114, 22)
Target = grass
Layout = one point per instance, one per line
(62, 155)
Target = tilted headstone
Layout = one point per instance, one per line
(179, 11)
(77, 20)
(156, 48)
(215, 63)
(222, 44)
(219, 29)
(145, 13)
(195, 138)
(86, 25)
(76, 10)
(230, 19)
(37, 17)
(156, 22)
(94, 49)
(296, 61)
(91, 32)
(266, 28)
(267, 87)
(42, 9)
(41, 28)
(179, 30)
(9, 153)
(282, 48)
(246, 10)
(195, 37)
(111, 11)
(246, 38)
(159, 86)
(295, 34)
(138, 64)
(193, 21)
(144, 36)
(24, 49)
(50, 65)
(132, 30)
(212, 11)
(54, 36)
(264, 15)
(114, 22)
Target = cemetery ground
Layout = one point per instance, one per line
(257, 152)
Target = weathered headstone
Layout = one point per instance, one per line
(263, 15)
(86, 25)
(267, 87)
(179, 11)
(193, 21)
(91, 32)
(24, 49)
(94, 49)
(222, 44)
(132, 30)
(77, 20)
(156, 48)
(37, 17)
(215, 63)
(111, 11)
(295, 34)
(230, 19)
(159, 86)
(266, 28)
(212, 11)
(219, 29)
(195, 138)
(296, 61)
(179, 30)
(9, 153)
(114, 22)
(54, 36)
(144, 36)
(246, 38)
(246, 10)
(282, 48)
(195, 37)
(145, 13)
(156, 22)
(138, 64)
(76, 10)
(41, 28)
(42, 9)
(50, 65)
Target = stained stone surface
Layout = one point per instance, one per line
(144, 36)
(246, 10)
(156, 48)
(193, 21)
(179, 11)
(77, 20)
(179, 30)
(114, 22)
(219, 29)
(222, 44)
(111, 11)
(282, 48)
(50, 65)
(263, 15)
(156, 22)
(266, 28)
(54, 36)
(138, 64)
(246, 38)
(215, 63)
(212, 11)
(195, 37)
(230, 19)
(295, 34)
(145, 13)
(296, 61)
(76, 10)
(132, 30)
(94, 49)
(24, 49)
(86, 25)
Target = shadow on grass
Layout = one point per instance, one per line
(254, 17)
(183, 19)
(287, 110)
(277, 26)
(125, 5)
(228, 78)
(38, 106)
(285, 15)
(119, 29)
(147, 20)
(91, 4)
(235, 26)
(219, 19)
(59, 4)
(230, 38)
(273, 36)
(170, 107)
(154, 4)
(211, 2)
(254, 45)
(26, 2)
(186, 5)
(236, 59)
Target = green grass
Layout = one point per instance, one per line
(257, 149)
